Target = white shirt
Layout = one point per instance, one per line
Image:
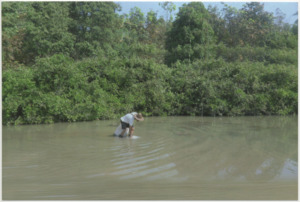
(129, 118)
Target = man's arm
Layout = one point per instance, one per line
(131, 130)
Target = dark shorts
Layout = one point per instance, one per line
(124, 125)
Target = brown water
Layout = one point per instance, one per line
(183, 158)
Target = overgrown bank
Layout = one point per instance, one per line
(99, 65)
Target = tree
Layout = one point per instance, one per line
(156, 29)
(96, 27)
(191, 34)
(47, 33)
(249, 25)
(169, 7)
(279, 17)
(14, 24)
(136, 22)
(218, 23)
(295, 25)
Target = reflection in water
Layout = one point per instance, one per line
(174, 158)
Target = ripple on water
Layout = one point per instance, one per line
(56, 196)
(147, 160)
(149, 171)
(184, 158)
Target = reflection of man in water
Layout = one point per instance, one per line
(127, 122)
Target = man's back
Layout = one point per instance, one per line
(128, 118)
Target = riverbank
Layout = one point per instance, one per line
(73, 69)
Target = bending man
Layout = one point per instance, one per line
(128, 120)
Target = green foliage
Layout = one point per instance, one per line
(249, 25)
(47, 33)
(191, 35)
(14, 24)
(95, 26)
(81, 61)
(244, 88)
(260, 54)
(169, 7)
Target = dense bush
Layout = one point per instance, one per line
(260, 54)
(60, 89)
(220, 88)
(95, 64)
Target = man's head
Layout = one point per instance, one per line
(139, 117)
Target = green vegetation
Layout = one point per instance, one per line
(81, 61)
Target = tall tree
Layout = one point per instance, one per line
(295, 25)
(136, 22)
(218, 23)
(156, 29)
(14, 24)
(48, 32)
(191, 34)
(249, 25)
(169, 7)
(95, 26)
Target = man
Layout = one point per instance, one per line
(128, 120)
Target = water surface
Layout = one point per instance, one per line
(185, 158)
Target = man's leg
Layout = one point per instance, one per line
(121, 135)
(124, 127)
